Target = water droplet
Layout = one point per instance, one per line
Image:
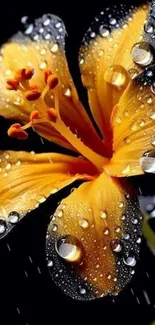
(126, 236)
(92, 35)
(126, 170)
(70, 248)
(46, 22)
(43, 52)
(43, 65)
(118, 229)
(67, 92)
(147, 162)
(29, 29)
(117, 76)
(116, 245)
(148, 28)
(106, 231)
(18, 163)
(82, 61)
(153, 141)
(109, 276)
(130, 261)
(134, 221)
(133, 73)
(54, 228)
(118, 120)
(54, 48)
(127, 140)
(84, 223)
(139, 240)
(152, 115)
(59, 213)
(82, 291)
(123, 217)
(149, 100)
(8, 166)
(121, 205)
(149, 73)
(13, 217)
(112, 21)
(104, 31)
(103, 214)
(54, 190)
(2, 226)
(49, 263)
(141, 54)
(153, 88)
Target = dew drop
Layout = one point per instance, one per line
(49, 263)
(54, 228)
(67, 92)
(118, 229)
(104, 31)
(139, 240)
(141, 54)
(43, 65)
(8, 166)
(116, 76)
(82, 291)
(84, 223)
(148, 28)
(59, 213)
(29, 29)
(121, 205)
(2, 226)
(152, 115)
(13, 217)
(147, 162)
(70, 248)
(109, 276)
(116, 245)
(134, 221)
(130, 261)
(43, 52)
(127, 140)
(103, 214)
(126, 236)
(112, 21)
(106, 231)
(153, 88)
(123, 217)
(153, 141)
(54, 48)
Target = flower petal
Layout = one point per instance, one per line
(92, 244)
(105, 59)
(133, 123)
(41, 47)
(28, 179)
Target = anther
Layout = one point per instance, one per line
(52, 114)
(34, 115)
(16, 131)
(47, 73)
(12, 84)
(32, 94)
(52, 81)
(24, 74)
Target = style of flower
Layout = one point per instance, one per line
(94, 235)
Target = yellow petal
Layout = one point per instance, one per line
(42, 51)
(28, 179)
(92, 245)
(106, 62)
(134, 135)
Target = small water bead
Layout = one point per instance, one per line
(147, 162)
(121, 205)
(82, 291)
(134, 221)
(29, 29)
(139, 240)
(67, 92)
(43, 65)
(103, 214)
(126, 236)
(141, 54)
(59, 213)
(8, 166)
(123, 217)
(104, 31)
(149, 73)
(148, 28)
(54, 228)
(109, 276)
(152, 115)
(118, 229)
(112, 21)
(70, 248)
(130, 261)
(116, 245)
(133, 73)
(49, 263)
(153, 88)
(126, 170)
(92, 35)
(116, 76)
(2, 226)
(153, 141)
(127, 140)
(13, 217)
(106, 231)
(84, 223)
(43, 52)
(118, 120)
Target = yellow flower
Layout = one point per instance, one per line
(93, 238)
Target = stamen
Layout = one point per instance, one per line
(34, 115)
(33, 94)
(12, 84)
(52, 114)
(52, 82)
(47, 73)
(24, 74)
(16, 131)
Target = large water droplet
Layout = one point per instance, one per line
(130, 261)
(141, 54)
(147, 162)
(116, 245)
(70, 248)
(116, 76)
(103, 214)
(104, 31)
(13, 217)
(84, 223)
(2, 226)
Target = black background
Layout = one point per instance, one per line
(27, 294)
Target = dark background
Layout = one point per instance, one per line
(27, 294)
